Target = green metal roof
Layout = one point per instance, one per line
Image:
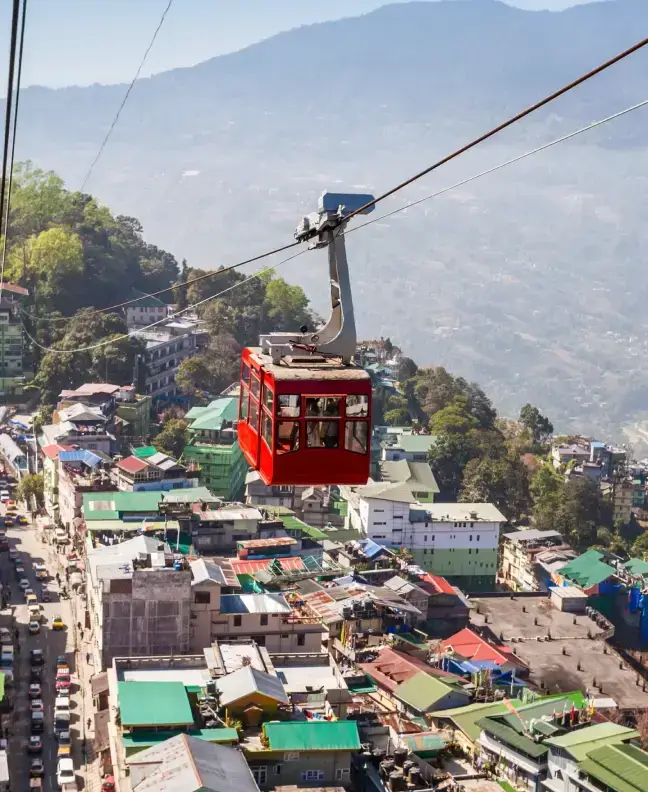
(579, 742)
(154, 704)
(623, 768)
(121, 525)
(145, 300)
(587, 570)
(509, 736)
(415, 444)
(309, 530)
(145, 451)
(425, 742)
(422, 691)
(110, 505)
(637, 566)
(218, 411)
(313, 736)
(465, 718)
(196, 412)
(145, 739)
(189, 495)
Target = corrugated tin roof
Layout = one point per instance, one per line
(145, 451)
(466, 718)
(508, 736)
(580, 742)
(254, 603)
(203, 571)
(425, 741)
(132, 464)
(145, 739)
(248, 680)
(154, 704)
(587, 570)
(423, 691)
(313, 736)
(623, 768)
(85, 456)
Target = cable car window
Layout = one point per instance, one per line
(288, 406)
(357, 406)
(256, 386)
(287, 437)
(355, 436)
(254, 414)
(245, 373)
(267, 429)
(243, 412)
(325, 406)
(323, 434)
(268, 395)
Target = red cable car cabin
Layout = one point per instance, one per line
(305, 420)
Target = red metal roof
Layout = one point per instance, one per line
(392, 667)
(261, 564)
(132, 464)
(473, 647)
(439, 583)
(11, 287)
(52, 451)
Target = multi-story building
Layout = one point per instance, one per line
(14, 458)
(15, 363)
(80, 426)
(519, 552)
(138, 603)
(214, 449)
(146, 311)
(417, 475)
(412, 447)
(457, 540)
(165, 351)
(79, 472)
(156, 472)
(218, 530)
(129, 410)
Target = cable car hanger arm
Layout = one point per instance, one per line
(325, 228)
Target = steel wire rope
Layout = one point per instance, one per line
(13, 148)
(504, 125)
(15, 15)
(126, 95)
(134, 333)
(501, 165)
(169, 288)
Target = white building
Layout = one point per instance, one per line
(455, 540)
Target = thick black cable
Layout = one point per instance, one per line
(500, 127)
(126, 95)
(13, 145)
(10, 84)
(221, 271)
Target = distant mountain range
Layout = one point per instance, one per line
(530, 281)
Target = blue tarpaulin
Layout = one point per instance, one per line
(85, 456)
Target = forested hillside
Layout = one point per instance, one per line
(76, 257)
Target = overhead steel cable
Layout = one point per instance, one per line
(504, 125)
(15, 16)
(7, 203)
(134, 333)
(197, 279)
(501, 165)
(126, 95)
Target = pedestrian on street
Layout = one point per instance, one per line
(89, 722)
(78, 625)
(16, 633)
(87, 658)
(81, 633)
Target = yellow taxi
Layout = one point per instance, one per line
(22, 520)
(11, 504)
(57, 623)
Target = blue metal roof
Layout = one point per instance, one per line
(370, 548)
(85, 456)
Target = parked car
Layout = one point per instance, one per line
(4, 496)
(61, 662)
(61, 704)
(65, 772)
(33, 627)
(63, 683)
(36, 657)
(35, 785)
(64, 743)
(35, 743)
(13, 554)
(35, 674)
(36, 768)
(38, 722)
(28, 592)
(5, 635)
(35, 690)
(36, 705)
(40, 572)
(22, 520)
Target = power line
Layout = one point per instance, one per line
(13, 147)
(495, 168)
(221, 271)
(126, 95)
(10, 84)
(131, 333)
(500, 127)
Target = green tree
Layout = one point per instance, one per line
(30, 489)
(193, 376)
(448, 456)
(396, 412)
(503, 482)
(407, 368)
(539, 426)
(285, 306)
(173, 438)
(180, 292)
(546, 488)
(640, 546)
(159, 270)
(581, 512)
(453, 419)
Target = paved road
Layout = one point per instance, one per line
(31, 550)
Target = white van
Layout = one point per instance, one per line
(61, 536)
(4, 495)
(61, 705)
(65, 773)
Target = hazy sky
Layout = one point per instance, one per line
(79, 42)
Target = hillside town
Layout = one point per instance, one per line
(373, 637)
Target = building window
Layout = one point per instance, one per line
(202, 597)
(301, 640)
(341, 773)
(260, 639)
(284, 636)
(277, 769)
(312, 775)
(238, 621)
(264, 619)
(477, 537)
(471, 537)
(260, 775)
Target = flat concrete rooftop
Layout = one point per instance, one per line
(190, 677)
(586, 660)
